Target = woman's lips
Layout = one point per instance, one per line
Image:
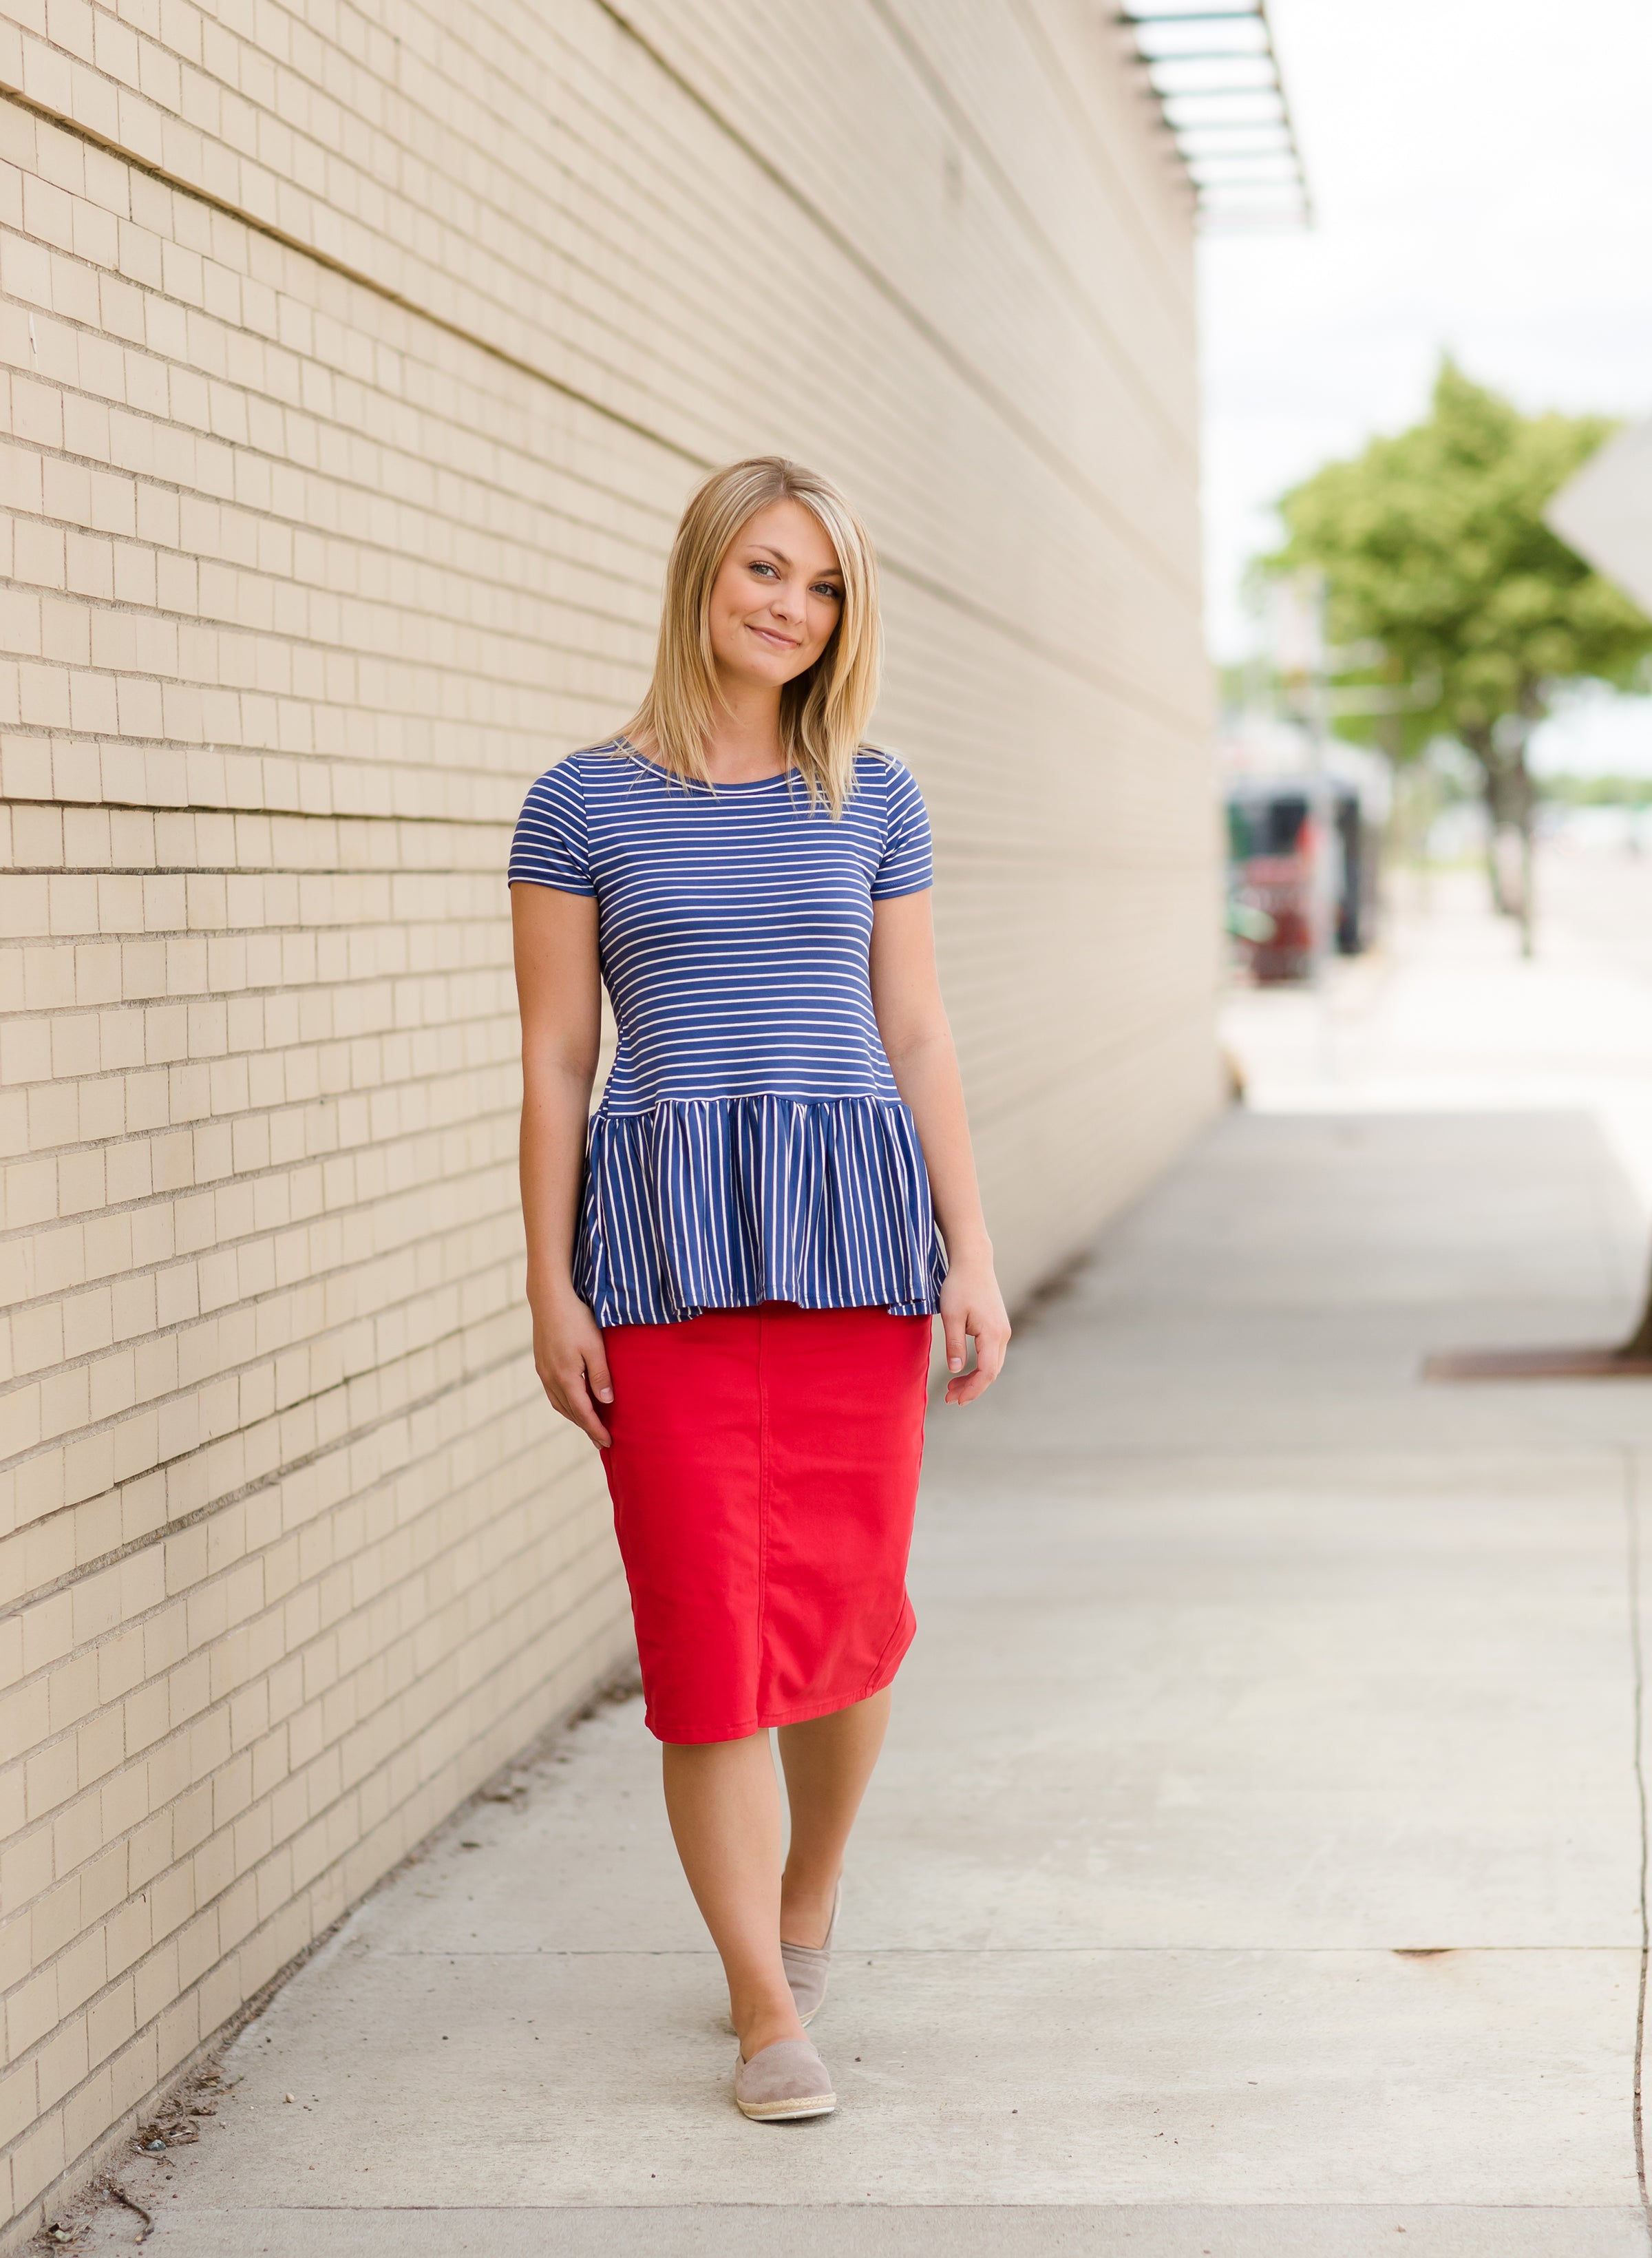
(768, 635)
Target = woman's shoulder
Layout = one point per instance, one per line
(611, 756)
(885, 771)
(577, 772)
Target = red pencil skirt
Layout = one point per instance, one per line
(764, 1471)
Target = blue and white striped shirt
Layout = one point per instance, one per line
(751, 1144)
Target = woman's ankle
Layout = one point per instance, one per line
(805, 1909)
(767, 2024)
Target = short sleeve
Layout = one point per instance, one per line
(552, 842)
(906, 865)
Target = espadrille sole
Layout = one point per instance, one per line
(776, 2113)
(787, 2079)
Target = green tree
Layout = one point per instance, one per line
(1432, 546)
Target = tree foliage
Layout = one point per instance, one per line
(1433, 544)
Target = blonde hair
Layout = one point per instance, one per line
(824, 712)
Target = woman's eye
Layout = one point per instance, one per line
(759, 566)
(824, 588)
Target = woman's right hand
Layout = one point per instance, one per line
(570, 1362)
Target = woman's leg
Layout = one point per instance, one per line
(724, 1805)
(827, 1763)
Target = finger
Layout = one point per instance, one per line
(575, 1405)
(990, 1353)
(954, 1325)
(598, 1379)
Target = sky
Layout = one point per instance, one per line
(1482, 175)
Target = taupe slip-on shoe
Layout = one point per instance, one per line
(788, 2079)
(807, 1967)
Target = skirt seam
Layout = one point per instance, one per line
(764, 1486)
(906, 1616)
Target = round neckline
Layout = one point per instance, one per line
(707, 784)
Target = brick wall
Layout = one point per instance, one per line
(356, 363)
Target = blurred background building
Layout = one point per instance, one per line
(358, 368)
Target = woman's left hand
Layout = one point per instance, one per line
(971, 1304)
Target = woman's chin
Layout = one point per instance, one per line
(761, 669)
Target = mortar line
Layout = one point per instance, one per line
(1631, 1502)
(959, 116)
(103, 806)
(1168, 570)
(1002, 406)
(67, 123)
(348, 1438)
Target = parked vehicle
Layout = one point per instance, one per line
(1281, 831)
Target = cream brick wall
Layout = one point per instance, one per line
(356, 363)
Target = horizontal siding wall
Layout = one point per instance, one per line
(356, 363)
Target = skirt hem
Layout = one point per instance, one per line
(885, 1674)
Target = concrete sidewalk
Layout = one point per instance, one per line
(1255, 1869)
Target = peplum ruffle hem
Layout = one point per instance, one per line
(721, 1203)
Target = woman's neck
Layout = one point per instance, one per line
(744, 742)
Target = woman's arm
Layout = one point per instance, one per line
(558, 989)
(913, 1021)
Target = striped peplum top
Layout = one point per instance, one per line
(751, 1144)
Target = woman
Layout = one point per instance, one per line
(733, 1276)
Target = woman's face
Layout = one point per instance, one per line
(777, 597)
